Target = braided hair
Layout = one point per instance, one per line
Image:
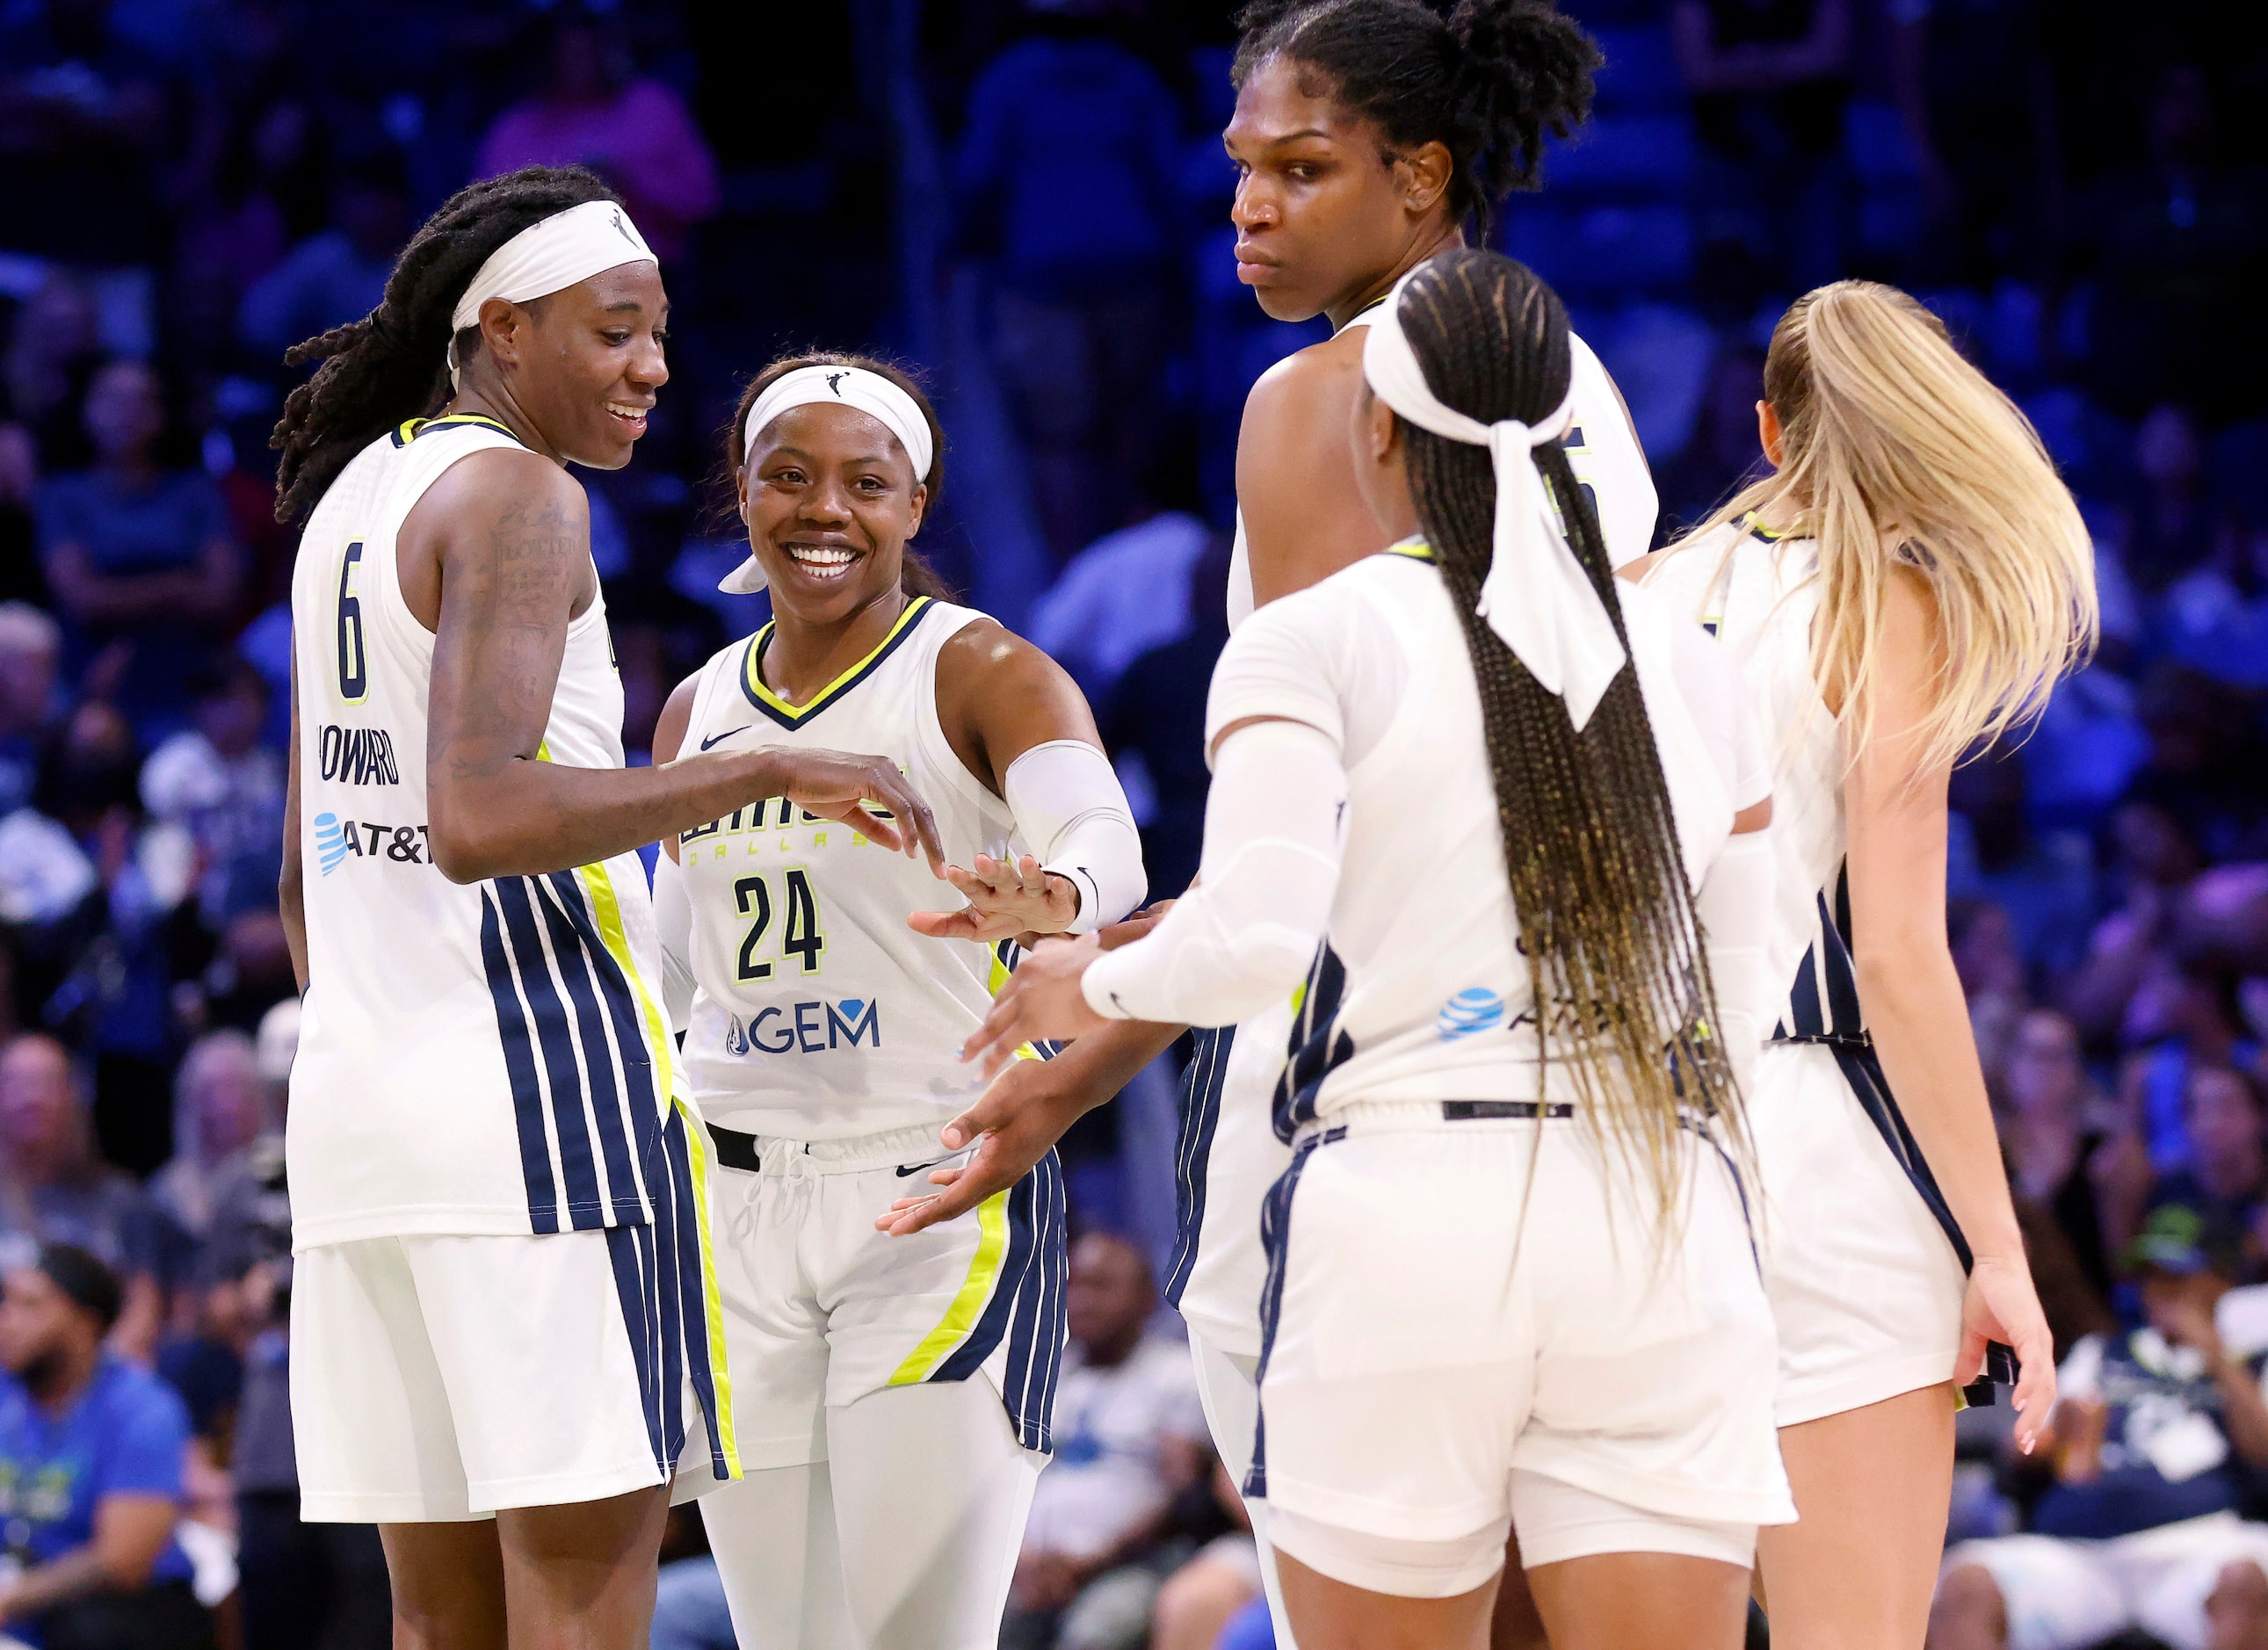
(1487, 81)
(392, 364)
(1599, 885)
(915, 574)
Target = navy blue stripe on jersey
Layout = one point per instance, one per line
(677, 1222)
(603, 1067)
(1026, 1309)
(520, 1067)
(554, 1036)
(1822, 1001)
(636, 1063)
(1035, 1331)
(1318, 1047)
(1276, 1239)
(1202, 1082)
(631, 1250)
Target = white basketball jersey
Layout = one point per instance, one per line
(1432, 998)
(1602, 450)
(1758, 594)
(474, 1058)
(818, 1014)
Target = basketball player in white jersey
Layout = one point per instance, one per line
(1368, 134)
(504, 1329)
(894, 1396)
(1909, 582)
(1512, 1279)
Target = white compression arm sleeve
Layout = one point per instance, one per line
(1734, 904)
(1243, 937)
(1069, 806)
(673, 916)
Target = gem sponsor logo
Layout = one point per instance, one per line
(811, 1027)
(358, 756)
(1471, 1012)
(339, 840)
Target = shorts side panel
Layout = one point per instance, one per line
(547, 1360)
(1865, 1291)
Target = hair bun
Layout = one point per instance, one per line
(1531, 68)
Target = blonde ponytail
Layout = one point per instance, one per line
(1897, 452)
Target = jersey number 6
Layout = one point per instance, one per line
(354, 667)
(802, 936)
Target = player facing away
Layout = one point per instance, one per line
(1910, 580)
(1368, 134)
(894, 1396)
(505, 1324)
(1513, 1287)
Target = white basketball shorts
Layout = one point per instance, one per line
(1865, 1289)
(821, 1309)
(1431, 1350)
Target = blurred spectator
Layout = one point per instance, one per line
(2154, 862)
(2167, 531)
(92, 1452)
(2185, 1014)
(1722, 450)
(336, 276)
(593, 110)
(218, 1111)
(1130, 1436)
(53, 350)
(1124, 594)
(30, 648)
(1152, 724)
(139, 552)
(1769, 79)
(267, 193)
(2228, 1174)
(2044, 880)
(19, 484)
(53, 1188)
(1975, 89)
(82, 121)
(217, 782)
(2215, 617)
(1199, 1600)
(2056, 1136)
(2177, 242)
(1068, 176)
(2139, 1528)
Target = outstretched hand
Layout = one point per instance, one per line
(867, 793)
(1013, 1123)
(1007, 898)
(1041, 999)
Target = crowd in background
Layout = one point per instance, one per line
(193, 186)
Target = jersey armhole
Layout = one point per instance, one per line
(930, 732)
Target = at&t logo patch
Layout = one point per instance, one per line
(1475, 1009)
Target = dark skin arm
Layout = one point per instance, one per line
(1304, 518)
(130, 1532)
(999, 696)
(496, 559)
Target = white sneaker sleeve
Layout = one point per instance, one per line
(672, 916)
(1069, 806)
(1243, 937)
(1734, 904)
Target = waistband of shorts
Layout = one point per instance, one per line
(1367, 1115)
(892, 1148)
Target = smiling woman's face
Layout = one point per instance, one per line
(830, 500)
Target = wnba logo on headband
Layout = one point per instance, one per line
(870, 392)
(549, 257)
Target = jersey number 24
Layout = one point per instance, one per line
(801, 934)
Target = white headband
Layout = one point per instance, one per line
(870, 392)
(549, 257)
(1536, 595)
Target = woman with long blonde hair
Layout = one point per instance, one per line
(1909, 582)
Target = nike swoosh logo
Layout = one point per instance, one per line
(916, 1168)
(728, 734)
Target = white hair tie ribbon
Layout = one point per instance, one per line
(1536, 596)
